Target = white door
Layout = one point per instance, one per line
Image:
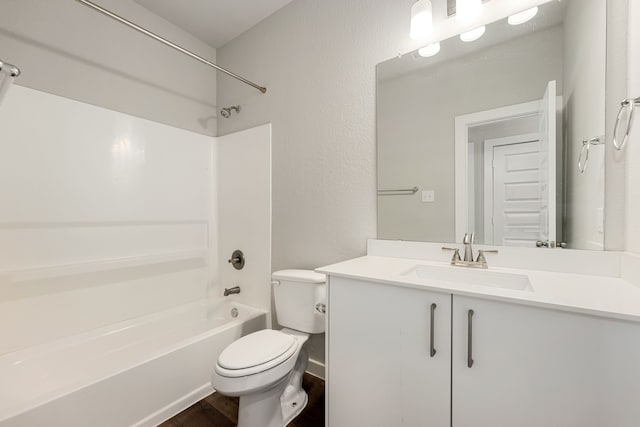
(548, 165)
(535, 367)
(381, 371)
(512, 187)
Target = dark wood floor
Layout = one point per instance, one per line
(221, 411)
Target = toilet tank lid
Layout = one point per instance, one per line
(308, 276)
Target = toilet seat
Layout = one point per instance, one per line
(256, 352)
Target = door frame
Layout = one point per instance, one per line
(461, 153)
(489, 145)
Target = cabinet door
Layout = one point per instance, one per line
(535, 367)
(380, 368)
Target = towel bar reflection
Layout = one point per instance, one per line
(628, 105)
(399, 192)
(583, 158)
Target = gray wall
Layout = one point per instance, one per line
(317, 59)
(416, 116)
(65, 48)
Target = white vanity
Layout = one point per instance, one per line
(414, 341)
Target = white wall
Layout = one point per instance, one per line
(416, 114)
(65, 48)
(633, 145)
(584, 118)
(616, 75)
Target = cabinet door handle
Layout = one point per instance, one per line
(470, 338)
(432, 339)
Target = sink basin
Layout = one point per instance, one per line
(468, 276)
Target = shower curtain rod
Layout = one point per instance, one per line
(169, 43)
(12, 70)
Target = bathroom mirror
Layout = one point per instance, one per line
(487, 136)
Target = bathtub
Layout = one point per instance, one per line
(134, 373)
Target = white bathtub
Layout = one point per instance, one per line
(138, 372)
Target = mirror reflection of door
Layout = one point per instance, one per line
(512, 185)
(510, 173)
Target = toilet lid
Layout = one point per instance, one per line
(256, 349)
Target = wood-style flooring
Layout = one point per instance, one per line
(221, 411)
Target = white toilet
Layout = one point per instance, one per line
(265, 368)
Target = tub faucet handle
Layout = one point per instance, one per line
(237, 259)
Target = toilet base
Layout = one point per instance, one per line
(278, 405)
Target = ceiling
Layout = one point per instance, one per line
(215, 22)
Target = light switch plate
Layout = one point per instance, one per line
(428, 196)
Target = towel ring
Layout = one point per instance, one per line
(583, 157)
(629, 104)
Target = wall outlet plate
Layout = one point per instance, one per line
(428, 196)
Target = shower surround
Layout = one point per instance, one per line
(108, 218)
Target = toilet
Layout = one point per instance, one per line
(265, 368)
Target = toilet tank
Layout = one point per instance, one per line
(300, 297)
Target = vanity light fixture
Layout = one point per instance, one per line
(468, 10)
(421, 20)
(522, 17)
(429, 50)
(473, 35)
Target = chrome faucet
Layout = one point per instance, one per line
(467, 241)
(231, 291)
(467, 261)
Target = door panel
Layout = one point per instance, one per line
(515, 193)
(535, 367)
(381, 372)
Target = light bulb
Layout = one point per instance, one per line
(522, 17)
(421, 20)
(468, 10)
(429, 50)
(473, 35)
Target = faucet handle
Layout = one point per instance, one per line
(456, 253)
(481, 253)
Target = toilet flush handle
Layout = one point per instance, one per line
(321, 308)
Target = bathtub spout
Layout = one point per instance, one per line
(231, 291)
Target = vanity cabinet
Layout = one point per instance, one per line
(381, 371)
(530, 366)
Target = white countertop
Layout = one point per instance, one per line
(604, 296)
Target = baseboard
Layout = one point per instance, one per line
(315, 368)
